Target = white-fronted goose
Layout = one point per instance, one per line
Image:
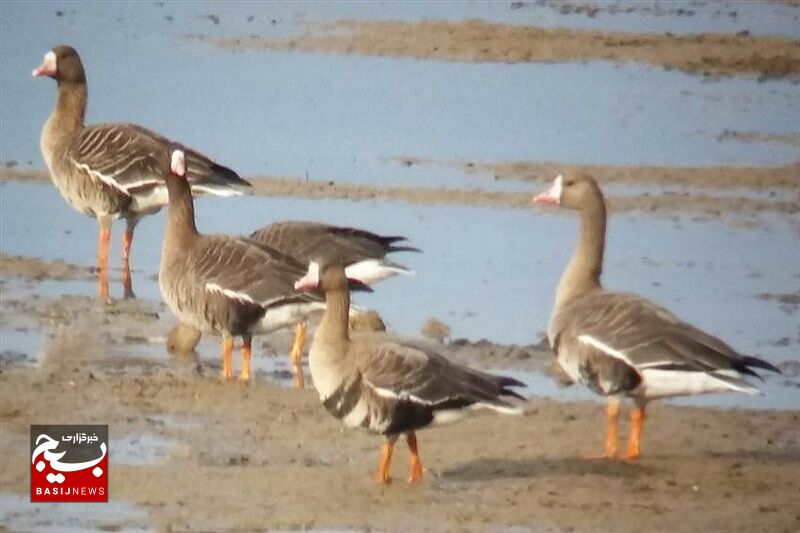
(362, 252)
(620, 344)
(386, 387)
(232, 286)
(110, 171)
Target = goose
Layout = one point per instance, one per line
(227, 285)
(621, 345)
(388, 388)
(111, 171)
(362, 252)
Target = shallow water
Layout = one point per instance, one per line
(494, 279)
(19, 514)
(707, 272)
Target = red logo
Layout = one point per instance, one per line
(69, 463)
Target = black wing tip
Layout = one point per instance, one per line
(359, 286)
(755, 362)
(229, 175)
(505, 382)
(388, 242)
(392, 248)
(512, 394)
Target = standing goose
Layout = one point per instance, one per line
(363, 253)
(389, 388)
(620, 344)
(228, 285)
(110, 171)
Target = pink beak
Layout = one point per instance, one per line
(551, 196)
(309, 282)
(41, 70)
(47, 68)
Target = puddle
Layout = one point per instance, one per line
(19, 348)
(18, 514)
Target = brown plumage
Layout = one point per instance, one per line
(323, 243)
(110, 171)
(390, 388)
(231, 286)
(362, 252)
(620, 344)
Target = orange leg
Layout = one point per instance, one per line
(634, 440)
(245, 375)
(386, 462)
(227, 358)
(296, 354)
(103, 239)
(612, 417)
(127, 283)
(415, 470)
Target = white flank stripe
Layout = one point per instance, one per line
(243, 297)
(605, 348)
(357, 415)
(149, 199)
(653, 364)
(446, 416)
(288, 314)
(140, 183)
(510, 410)
(388, 393)
(108, 180)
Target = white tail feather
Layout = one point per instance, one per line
(372, 271)
(664, 383)
(216, 190)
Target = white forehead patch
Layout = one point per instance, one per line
(313, 270)
(178, 162)
(557, 187)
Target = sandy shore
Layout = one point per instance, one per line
(37, 269)
(782, 178)
(708, 54)
(711, 192)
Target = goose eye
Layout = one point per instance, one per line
(569, 183)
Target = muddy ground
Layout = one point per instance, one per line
(707, 54)
(230, 456)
